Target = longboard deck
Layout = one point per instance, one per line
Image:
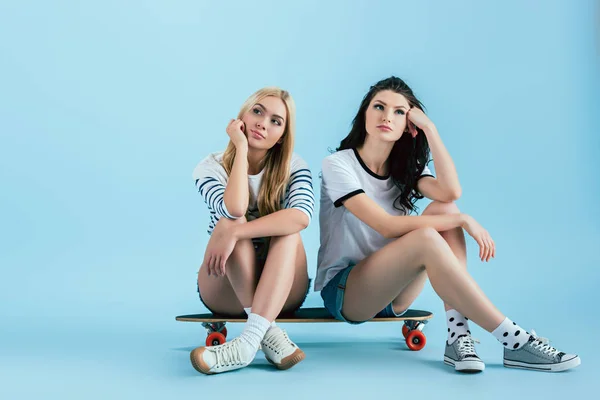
(305, 315)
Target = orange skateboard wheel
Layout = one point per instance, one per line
(416, 340)
(405, 331)
(215, 339)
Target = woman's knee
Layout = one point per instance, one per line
(243, 252)
(424, 236)
(427, 242)
(441, 208)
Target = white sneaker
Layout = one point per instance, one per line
(280, 350)
(225, 357)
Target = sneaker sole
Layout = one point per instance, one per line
(289, 361)
(198, 363)
(563, 366)
(465, 366)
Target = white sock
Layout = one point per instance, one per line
(511, 335)
(249, 311)
(254, 330)
(457, 325)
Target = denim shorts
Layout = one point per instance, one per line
(333, 298)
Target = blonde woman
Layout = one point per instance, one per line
(260, 196)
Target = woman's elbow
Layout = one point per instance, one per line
(235, 211)
(299, 219)
(455, 194)
(304, 222)
(236, 214)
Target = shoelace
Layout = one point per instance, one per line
(466, 345)
(278, 341)
(543, 344)
(228, 354)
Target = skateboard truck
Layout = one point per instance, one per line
(216, 333)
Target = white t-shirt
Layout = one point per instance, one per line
(211, 179)
(345, 239)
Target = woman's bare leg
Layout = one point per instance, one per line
(454, 237)
(381, 277)
(229, 294)
(286, 260)
(284, 278)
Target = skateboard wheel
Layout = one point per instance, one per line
(416, 340)
(405, 331)
(224, 332)
(215, 339)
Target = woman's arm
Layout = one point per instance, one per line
(280, 223)
(393, 226)
(446, 186)
(228, 232)
(299, 205)
(390, 226)
(236, 195)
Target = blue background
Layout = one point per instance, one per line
(106, 107)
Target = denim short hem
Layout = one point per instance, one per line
(333, 299)
(333, 295)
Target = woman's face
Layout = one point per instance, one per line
(265, 123)
(385, 117)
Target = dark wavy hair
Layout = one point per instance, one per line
(409, 155)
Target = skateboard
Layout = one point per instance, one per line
(412, 330)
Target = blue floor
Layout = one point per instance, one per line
(115, 356)
(78, 327)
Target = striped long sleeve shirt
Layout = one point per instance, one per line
(211, 179)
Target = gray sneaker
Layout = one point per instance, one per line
(538, 355)
(462, 355)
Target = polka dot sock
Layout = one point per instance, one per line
(457, 325)
(511, 335)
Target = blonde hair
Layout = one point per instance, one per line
(277, 162)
